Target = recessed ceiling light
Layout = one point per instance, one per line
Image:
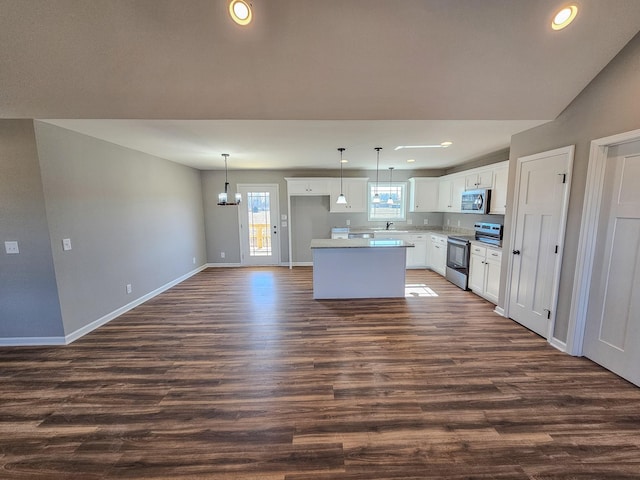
(446, 144)
(240, 12)
(344, 160)
(411, 160)
(564, 17)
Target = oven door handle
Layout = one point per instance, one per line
(461, 243)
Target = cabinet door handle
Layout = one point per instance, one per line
(516, 252)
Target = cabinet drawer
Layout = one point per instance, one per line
(477, 250)
(494, 255)
(439, 239)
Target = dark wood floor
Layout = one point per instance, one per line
(239, 374)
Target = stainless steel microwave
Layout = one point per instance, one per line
(476, 201)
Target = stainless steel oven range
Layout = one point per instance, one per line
(459, 248)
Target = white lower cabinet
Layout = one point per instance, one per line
(438, 256)
(484, 272)
(417, 255)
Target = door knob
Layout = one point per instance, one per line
(516, 252)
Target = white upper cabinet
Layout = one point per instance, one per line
(498, 202)
(355, 191)
(479, 179)
(309, 186)
(423, 194)
(450, 188)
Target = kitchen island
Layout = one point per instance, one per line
(359, 268)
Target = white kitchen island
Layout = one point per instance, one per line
(359, 268)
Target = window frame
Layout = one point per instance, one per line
(402, 217)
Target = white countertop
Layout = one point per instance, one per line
(358, 243)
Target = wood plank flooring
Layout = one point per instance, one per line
(239, 374)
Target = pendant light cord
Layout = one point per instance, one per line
(378, 167)
(226, 180)
(341, 149)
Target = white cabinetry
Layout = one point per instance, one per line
(498, 202)
(484, 271)
(423, 196)
(478, 179)
(450, 188)
(355, 191)
(494, 177)
(309, 186)
(438, 256)
(416, 255)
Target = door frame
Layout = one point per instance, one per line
(598, 156)
(569, 150)
(276, 246)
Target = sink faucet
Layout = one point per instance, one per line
(388, 225)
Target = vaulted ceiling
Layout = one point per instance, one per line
(178, 79)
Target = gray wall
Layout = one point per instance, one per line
(29, 304)
(131, 217)
(221, 223)
(468, 220)
(310, 218)
(610, 104)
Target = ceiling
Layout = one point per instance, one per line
(177, 79)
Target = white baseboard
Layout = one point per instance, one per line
(221, 265)
(31, 341)
(303, 264)
(559, 344)
(71, 337)
(499, 311)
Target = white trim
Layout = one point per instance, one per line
(31, 341)
(559, 344)
(588, 234)
(499, 311)
(71, 337)
(570, 152)
(302, 264)
(221, 265)
(244, 241)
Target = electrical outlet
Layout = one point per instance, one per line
(66, 244)
(348, 222)
(448, 221)
(409, 221)
(458, 222)
(194, 260)
(11, 247)
(222, 254)
(129, 289)
(425, 221)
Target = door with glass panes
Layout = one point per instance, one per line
(258, 215)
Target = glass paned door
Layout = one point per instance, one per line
(258, 218)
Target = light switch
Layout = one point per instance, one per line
(283, 216)
(11, 247)
(66, 244)
(283, 224)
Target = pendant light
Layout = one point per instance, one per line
(376, 197)
(390, 201)
(223, 197)
(342, 200)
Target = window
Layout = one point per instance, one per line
(385, 211)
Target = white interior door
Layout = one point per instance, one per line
(612, 334)
(540, 213)
(258, 218)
